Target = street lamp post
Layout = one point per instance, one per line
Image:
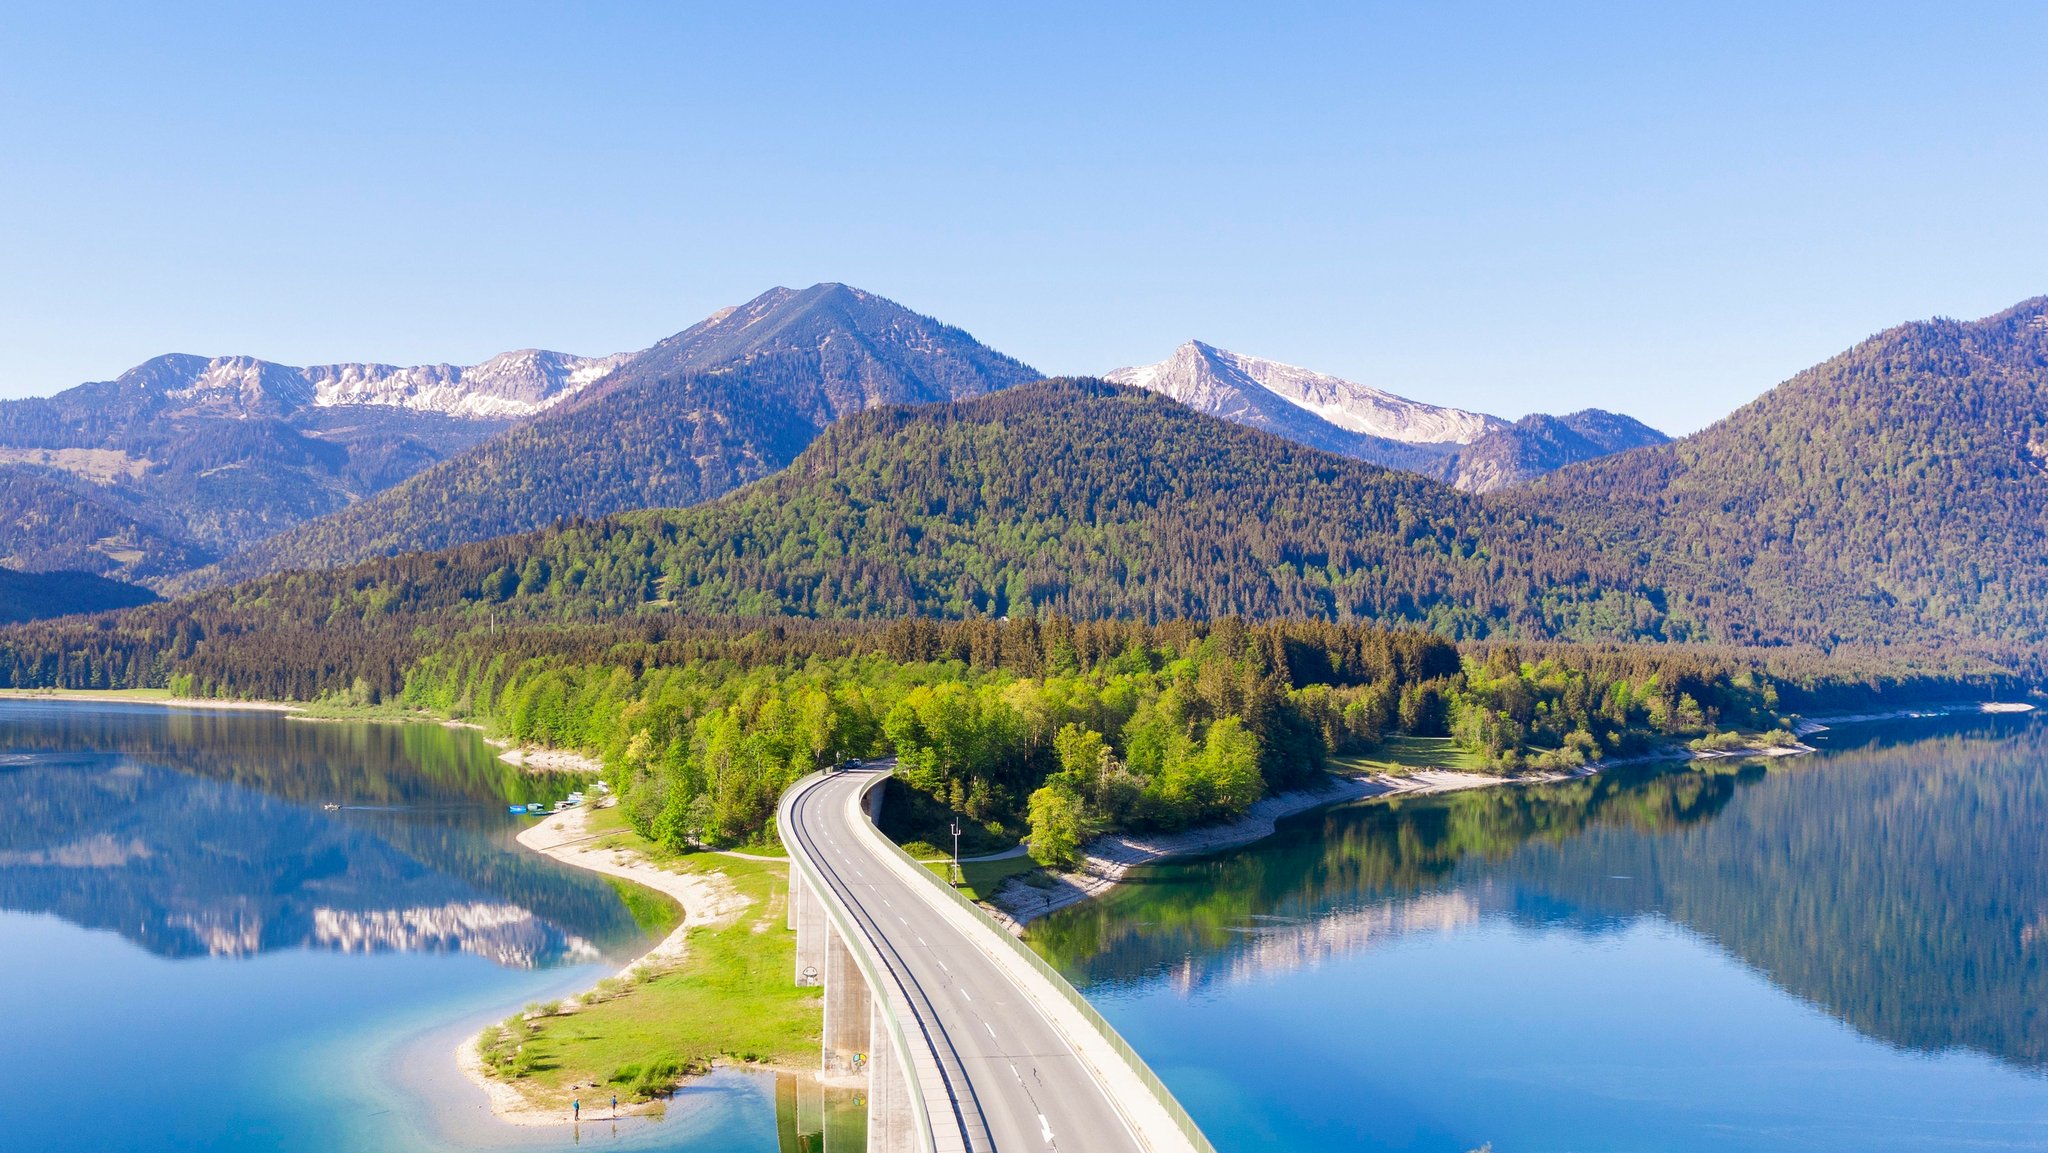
(958, 877)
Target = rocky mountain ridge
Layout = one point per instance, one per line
(1472, 450)
(509, 386)
(1225, 383)
(727, 401)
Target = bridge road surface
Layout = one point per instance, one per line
(1022, 1087)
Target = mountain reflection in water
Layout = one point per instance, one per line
(207, 834)
(1899, 882)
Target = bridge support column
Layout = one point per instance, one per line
(889, 1089)
(847, 1007)
(807, 917)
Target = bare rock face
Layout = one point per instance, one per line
(508, 386)
(1474, 451)
(1243, 388)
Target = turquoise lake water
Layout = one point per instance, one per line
(1846, 951)
(201, 954)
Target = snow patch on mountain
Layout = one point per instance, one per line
(1233, 386)
(508, 386)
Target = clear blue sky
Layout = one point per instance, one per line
(1654, 208)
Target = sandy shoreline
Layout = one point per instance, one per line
(706, 899)
(1809, 725)
(539, 759)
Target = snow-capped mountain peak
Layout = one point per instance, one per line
(1238, 387)
(508, 386)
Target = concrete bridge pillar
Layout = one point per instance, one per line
(807, 917)
(889, 1117)
(847, 1007)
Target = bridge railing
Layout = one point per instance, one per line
(877, 989)
(1089, 1013)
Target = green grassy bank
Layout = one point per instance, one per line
(730, 999)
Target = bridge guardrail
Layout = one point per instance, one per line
(1089, 1013)
(855, 945)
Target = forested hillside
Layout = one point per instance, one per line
(26, 596)
(1897, 494)
(725, 402)
(1070, 497)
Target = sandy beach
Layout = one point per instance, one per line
(706, 899)
(538, 759)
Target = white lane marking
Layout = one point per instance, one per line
(1044, 1129)
(906, 924)
(921, 941)
(963, 988)
(942, 965)
(991, 1030)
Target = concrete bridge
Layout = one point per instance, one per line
(967, 1039)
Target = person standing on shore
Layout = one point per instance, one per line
(615, 1104)
(576, 1109)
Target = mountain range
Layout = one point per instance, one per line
(1471, 450)
(1894, 499)
(184, 458)
(188, 472)
(725, 402)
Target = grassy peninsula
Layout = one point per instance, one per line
(718, 990)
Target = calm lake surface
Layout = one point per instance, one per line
(201, 953)
(1837, 952)
(1847, 951)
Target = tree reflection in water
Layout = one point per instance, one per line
(1899, 881)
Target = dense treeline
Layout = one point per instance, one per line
(978, 713)
(1065, 727)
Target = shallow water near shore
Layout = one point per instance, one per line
(1842, 951)
(234, 931)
